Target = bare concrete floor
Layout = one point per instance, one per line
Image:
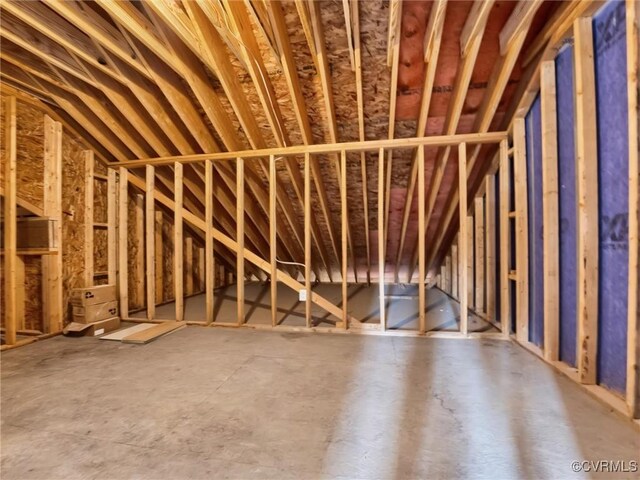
(442, 312)
(242, 404)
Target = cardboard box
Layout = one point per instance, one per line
(34, 232)
(82, 297)
(92, 329)
(95, 313)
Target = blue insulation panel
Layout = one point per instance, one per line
(567, 204)
(533, 123)
(613, 173)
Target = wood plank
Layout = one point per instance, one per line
(210, 281)
(159, 256)
(52, 264)
(381, 245)
(633, 345)
(118, 335)
(139, 239)
(150, 334)
(188, 266)
(447, 274)
(454, 270)
(550, 220)
(490, 246)
(240, 239)
(463, 245)
(307, 237)
(470, 263)
(123, 250)
(422, 322)
(273, 246)
(112, 229)
(10, 221)
(150, 237)
(344, 220)
(178, 252)
(200, 274)
(479, 255)
(88, 217)
(522, 231)
(587, 183)
(20, 294)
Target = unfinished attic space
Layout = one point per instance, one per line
(331, 239)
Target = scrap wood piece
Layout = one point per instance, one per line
(125, 332)
(154, 332)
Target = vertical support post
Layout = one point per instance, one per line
(159, 255)
(522, 229)
(470, 263)
(633, 346)
(52, 264)
(480, 252)
(209, 254)
(344, 220)
(273, 245)
(112, 227)
(550, 222)
(422, 323)
(123, 251)
(139, 275)
(504, 239)
(307, 237)
(178, 253)
(463, 245)
(88, 217)
(381, 249)
(587, 175)
(150, 235)
(189, 266)
(201, 268)
(10, 220)
(447, 274)
(240, 238)
(454, 269)
(490, 246)
(20, 294)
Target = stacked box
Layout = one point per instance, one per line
(95, 310)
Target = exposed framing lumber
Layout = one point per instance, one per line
(273, 246)
(633, 346)
(344, 221)
(139, 239)
(123, 251)
(490, 246)
(471, 297)
(159, 255)
(52, 307)
(178, 246)
(10, 222)
(454, 269)
(475, 24)
(188, 266)
(587, 183)
(522, 229)
(381, 246)
(88, 218)
(462, 239)
(550, 220)
(209, 253)
(112, 227)
(150, 236)
(479, 246)
(505, 249)
(518, 22)
(421, 245)
(307, 237)
(240, 239)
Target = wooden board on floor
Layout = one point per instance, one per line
(150, 334)
(125, 332)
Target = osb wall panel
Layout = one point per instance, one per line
(167, 258)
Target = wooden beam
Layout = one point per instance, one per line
(381, 249)
(188, 263)
(178, 253)
(150, 236)
(475, 24)
(518, 22)
(470, 264)
(112, 227)
(550, 220)
(587, 183)
(123, 250)
(159, 256)
(463, 244)
(10, 221)
(522, 230)
(421, 245)
(88, 217)
(454, 269)
(273, 246)
(344, 220)
(240, 239)
(52, 307)
(139, 239)
(307, 237)
(209, 283)
(633, 332)
(505, 249)
(490, 246)
(479, 254)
